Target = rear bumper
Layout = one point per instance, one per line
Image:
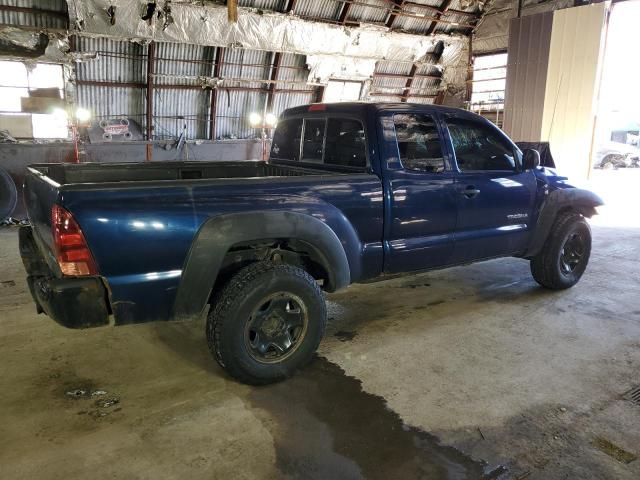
(74, 302)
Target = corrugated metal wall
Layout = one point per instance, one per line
(529, 40)
(552, 82)
(403, 81)
(120, 62)
(456, 15)
(30, 13)
(114, 83)
(180, 109)
(292, 69)
(577, 44)
(361, 13)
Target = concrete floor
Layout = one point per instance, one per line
(442, 375)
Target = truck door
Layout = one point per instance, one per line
(421, 218)
(495, 196)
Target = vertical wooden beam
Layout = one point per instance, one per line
(151, 61)
(470, 70)
(438, 15)
(232, 10)
(217, 65)
(392, 16)
(319, 94)
(275, 66)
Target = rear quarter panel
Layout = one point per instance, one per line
(40, 194)
(140, 236)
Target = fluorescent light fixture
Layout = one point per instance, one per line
(271, 119)
(83, 115)
(59, 113)
(255, 119)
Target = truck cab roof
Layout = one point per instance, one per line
(364, 108)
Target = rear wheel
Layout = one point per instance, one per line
(266, 322)
(565, 255)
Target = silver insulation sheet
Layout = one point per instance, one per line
(209, 25)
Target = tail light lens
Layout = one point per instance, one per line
(72, 251)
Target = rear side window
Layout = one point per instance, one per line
(332, 141)
(313, 145)
(286, 140)
(345, 145)
(479, 147)
(419, 143)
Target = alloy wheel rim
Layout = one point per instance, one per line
(572, 253)
(276, 327)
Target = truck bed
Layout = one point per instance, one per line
(100, 173)
(142, 221)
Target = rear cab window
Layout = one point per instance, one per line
(339, 142)
(286, 140)
(419, 146)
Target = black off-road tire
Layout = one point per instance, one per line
(228, 317)
(546, 266)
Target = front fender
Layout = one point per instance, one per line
(578, 199)
(219, 234)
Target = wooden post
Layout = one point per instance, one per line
(232, 10)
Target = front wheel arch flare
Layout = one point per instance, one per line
(558, 202)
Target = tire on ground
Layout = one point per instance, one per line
(228, 319)
(546, 265)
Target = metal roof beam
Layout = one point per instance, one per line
(275, 67)
(407, 87)
(438, 15)
(290, 5)
(344, 13)
(392, 16)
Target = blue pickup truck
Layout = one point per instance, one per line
(352, 192)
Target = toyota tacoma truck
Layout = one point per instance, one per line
(352, 192)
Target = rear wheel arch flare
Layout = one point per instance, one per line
(218, 235)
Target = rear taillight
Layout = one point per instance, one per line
(72, 253)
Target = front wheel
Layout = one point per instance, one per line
(565, 255)
(267, 322)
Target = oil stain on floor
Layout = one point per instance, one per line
(326, 426)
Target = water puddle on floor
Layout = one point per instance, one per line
(327, 427)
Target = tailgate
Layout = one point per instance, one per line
(40, 194)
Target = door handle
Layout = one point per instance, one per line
(470, 191)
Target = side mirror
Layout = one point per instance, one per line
(530, 159)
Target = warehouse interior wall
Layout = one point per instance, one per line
(205, 93)
(573, 76)
(528, 58)
(553, 75)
